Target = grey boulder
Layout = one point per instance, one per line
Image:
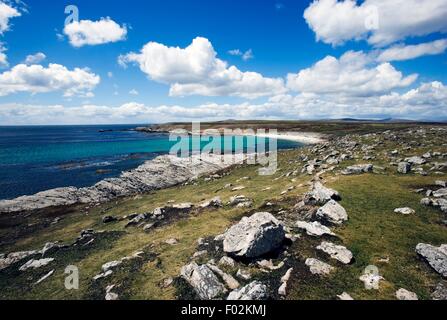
(332, 212)
(252, 291)
(435, 256)
(203, 280)
(254, 236)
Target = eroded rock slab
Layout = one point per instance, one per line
(252, 291)
(314, 228)
(318, 267)
(435, 256)
(333, 212)
(203, 280)
(336, 252)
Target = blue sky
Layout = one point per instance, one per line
(282, 41)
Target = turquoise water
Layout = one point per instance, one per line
(37, 158)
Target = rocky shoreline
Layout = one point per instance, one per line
(162, 172)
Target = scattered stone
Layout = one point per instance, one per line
(111, 296)
(215, 202)
(202, 279)
(404, 167)
(199, 254)
(333, 212)
(345, 296)
(14, 257)
(240, 201)
(435, 256)
(111, 265)
(314, 228)
(243, 274)
(45, 277)
(102, 275)
(167, 283)
(35, 264)
(358, 169)
(149, 226)
(186, 206)
(337, 252)
(108, 219)
(171, 241)
(268, 264)
(253, 291)
(404, 211)
(321, 194)
(318, 267)
(227, 261)
(440, 292)
(239, 188)
(136, 220)
(231, 282)
(403, 294)
(49, 247)
(416, 160)
(282, 290)
(441, 183)
(254, 236)
(440, 193)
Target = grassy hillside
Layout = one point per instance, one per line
(374, 233)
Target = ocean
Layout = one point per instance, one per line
(38, 158)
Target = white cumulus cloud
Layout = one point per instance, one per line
(428, 101)
(87, 32)
(402, 52)
(3, 57)
(6, 13)
(35, 58)
(196, 70)
(353, 74)
(38, 79)
(380, 22)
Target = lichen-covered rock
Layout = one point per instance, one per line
(435, 256)
(440, 292)
(333, 212)
(416, 160)
(403, 294)
(15, 257)
(404, 167)
(35, 264)
(252, 291)
(203, 280)
(404, 211)
(254, 236)
(314, 228)
(358, 169)
(320, 194)
(318, 267)
(337, 252)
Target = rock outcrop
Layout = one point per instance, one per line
(203, 280)
(161, 172)
(333, 213)
(314, 228)
(358, 169)
(252, 291)
(254, 236)
(336, 252)
(435, 256)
